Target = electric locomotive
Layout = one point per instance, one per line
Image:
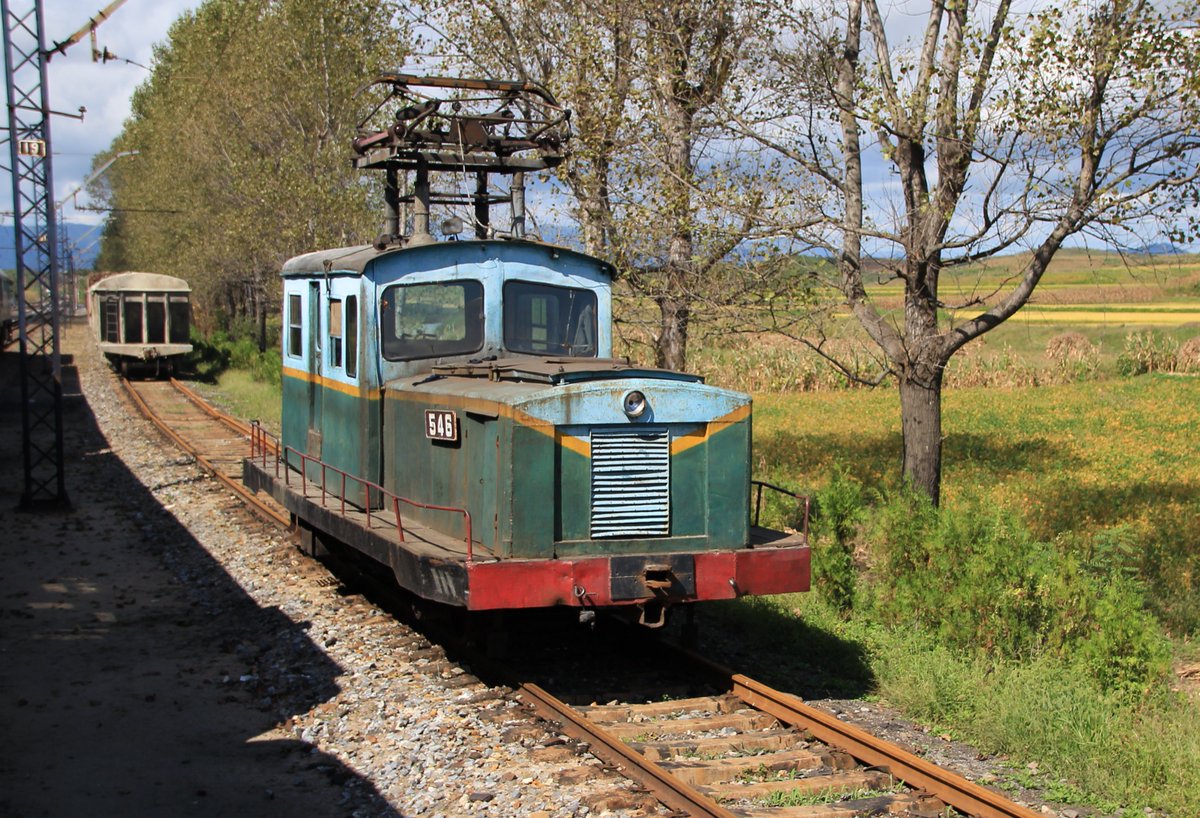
(452, 408)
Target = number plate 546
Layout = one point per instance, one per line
(441, 424)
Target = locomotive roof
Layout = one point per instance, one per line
(141, 282)
(355, 259)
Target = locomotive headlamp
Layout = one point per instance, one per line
(452, 226)
(635, 404)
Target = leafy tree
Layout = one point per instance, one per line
(243, 132)
(995, 130)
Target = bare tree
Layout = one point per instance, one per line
(657, 179)
(996, 130)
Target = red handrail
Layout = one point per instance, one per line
(760, 485)
(261, 441)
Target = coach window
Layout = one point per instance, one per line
(294, 326)
(431, 320)
(156, 319)
(352, 335)
(335, 332)
(545, 320)
(133, 319)
(178, 315)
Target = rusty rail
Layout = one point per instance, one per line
(263, 443)
(930, 783)
(667, 788)
(209, 409)
(949, 787)
(186, 445)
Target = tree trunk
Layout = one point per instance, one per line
(262, 322)
(921, 425)
(671, 348)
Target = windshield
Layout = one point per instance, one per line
(545, 320)
(431, 320)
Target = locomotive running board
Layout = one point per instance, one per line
(436, 567)
(428, 564)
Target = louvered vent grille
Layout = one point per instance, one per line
(631, 483)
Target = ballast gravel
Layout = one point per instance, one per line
(380, 711)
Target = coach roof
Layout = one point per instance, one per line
(141, 282)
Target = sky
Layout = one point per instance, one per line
(130, 33)
(104, 89)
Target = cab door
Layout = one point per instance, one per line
(313, 366)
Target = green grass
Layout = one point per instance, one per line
(1109, 753)
(797, 798)
(1114, 456)
(240, 394)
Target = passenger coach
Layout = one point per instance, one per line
(141, 320)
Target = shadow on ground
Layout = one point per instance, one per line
(138, 678)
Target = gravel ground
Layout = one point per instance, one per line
(362, 703)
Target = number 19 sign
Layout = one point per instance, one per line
(441, 424)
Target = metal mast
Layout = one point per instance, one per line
(36, 244)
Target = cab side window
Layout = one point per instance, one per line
(352, 336)
(295, 326)
(335, 332)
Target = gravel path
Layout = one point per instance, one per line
(361, 703)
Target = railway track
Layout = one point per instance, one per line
(755, 752)
(218, 441)
(742, 751)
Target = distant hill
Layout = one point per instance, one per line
(1162, 248)
(74, 233)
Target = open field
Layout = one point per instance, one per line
(1113, 454)
(1105, 298)
(1123, 315)
(1074, 276)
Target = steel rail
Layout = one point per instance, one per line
(950, 788)
(256, 505)
(209, 409)
(667, 788)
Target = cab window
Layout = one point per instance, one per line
(295, 326)
(431, 320)
(545, 320)
(352, 336)
(335, 332)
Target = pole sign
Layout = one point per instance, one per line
(32, 147)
